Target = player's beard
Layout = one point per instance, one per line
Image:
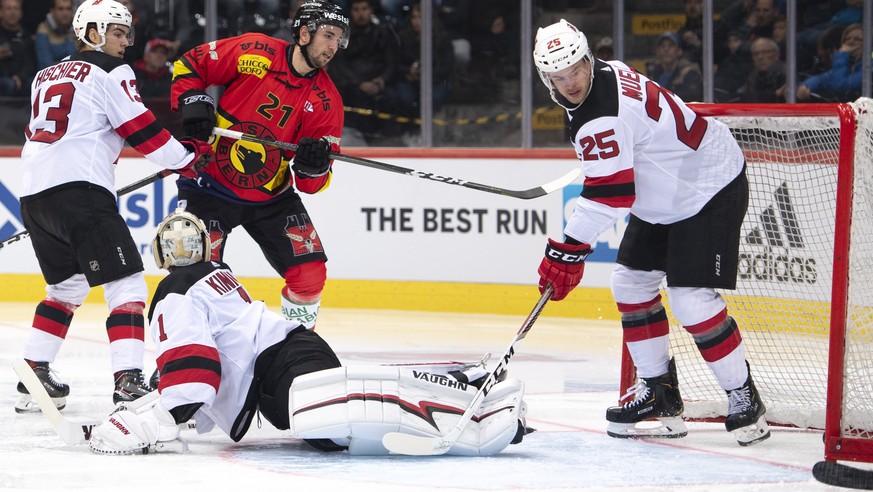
(315, 60)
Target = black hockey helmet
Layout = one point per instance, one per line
(314, 13)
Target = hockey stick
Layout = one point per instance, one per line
(408, 444)
(122, 191)
(833, 473)
(73, 433)
(523, 194)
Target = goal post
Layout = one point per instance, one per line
(804, 297)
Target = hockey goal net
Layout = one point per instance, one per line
(806, 273)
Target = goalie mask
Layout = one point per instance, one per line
(101, 13)
(181, 240)
(557, 47)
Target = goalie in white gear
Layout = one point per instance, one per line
(223, 357)
(683, 179)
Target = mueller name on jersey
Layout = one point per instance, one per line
(76, 70)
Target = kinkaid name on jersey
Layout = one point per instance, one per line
(72, 70)
(440, 380)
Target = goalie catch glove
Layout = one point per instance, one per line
(198, 114)
(312, 159)
(562, 267)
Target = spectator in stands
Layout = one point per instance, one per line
(731, 73)
(166, 19)
(672, 72)
(828, 44)
(604, 49)
(246, 15)
(404, 94)
(362, 71)
(843, 81)
(843, 13)
(495, 49)
(33, 12)
(16, 52)
(54, 38)
(780, 34)
(734, 17)
(153, 75)
(765, 83)
(691, 33)
(759, 23)
(142, 32)
(285, 32)
(456, 17)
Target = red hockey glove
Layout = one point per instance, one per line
(562, 267)
(198, 114)
(312, 159)
(202, 155)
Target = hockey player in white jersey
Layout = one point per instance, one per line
(84, 108)
(683, 178)
(223, 358)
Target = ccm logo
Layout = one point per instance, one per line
(563, 257)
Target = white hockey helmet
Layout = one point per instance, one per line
(559, 46)
(181, 240)
(100, 13)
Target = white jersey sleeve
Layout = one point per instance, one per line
(83, 110)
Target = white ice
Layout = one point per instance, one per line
(570, 369)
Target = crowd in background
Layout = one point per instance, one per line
(476, 50)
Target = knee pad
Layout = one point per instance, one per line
(304, 283)
(635, 286)
(126, 290)
(694, 305)
(71, 292)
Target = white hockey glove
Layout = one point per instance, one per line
(134, 430)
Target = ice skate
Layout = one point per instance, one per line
(129, 385)
(57, 390)
(746, 414)
(655, 399)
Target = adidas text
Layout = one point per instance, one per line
(779, 268)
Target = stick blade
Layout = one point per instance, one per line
(410, 445)
(562, 181)
(833, 473)
(73, 433)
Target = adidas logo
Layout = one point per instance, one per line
(778, 232)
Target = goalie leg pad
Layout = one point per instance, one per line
(356, 406)
(137, 429)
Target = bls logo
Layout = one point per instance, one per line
(606, 247)
(782, 259)
(10, 203)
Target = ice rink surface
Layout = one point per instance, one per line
(570, 369)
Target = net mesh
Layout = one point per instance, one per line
(783, 298)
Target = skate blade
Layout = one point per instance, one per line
(752, 434)
(665, 427)
(27, 405)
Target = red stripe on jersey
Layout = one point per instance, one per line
(140, 123)
(195, 372)
(643, 306)
(621, 177)
(616, 190)
(709, 324)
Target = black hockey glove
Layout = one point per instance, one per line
(312, 159)
(198, 114)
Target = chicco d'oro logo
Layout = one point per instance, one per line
(778, 232)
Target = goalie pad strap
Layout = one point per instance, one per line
(357, 405)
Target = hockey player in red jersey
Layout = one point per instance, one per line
(224, 357)
(274, 90)
(683, 178)
(84, 109)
